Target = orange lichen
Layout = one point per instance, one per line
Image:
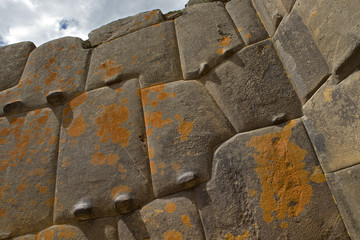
(51, 78)
(120, 189)
(229, 236)
(253, 193)
(22, 186)
(77, 127)
(176, 166)
(121, 169)
(80, 72)
(225, 41)
(43, 189)
(3, 164)
(42, 120)
(161, 96)
(284, 225)
(186, 220)
(173, 235)
(248, 35)
(184, 129)
(110, 69)
(156, 119)
(47, 235)
(220, 51)
(66, 233)
(170, 207)
(317, 175)
(112, 159)
(151, 153)
(78, 101)
(154, 103)
(153, 167)
(98, 159)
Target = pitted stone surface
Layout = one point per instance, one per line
(124, 26)
(301, 57)
(155, 60)
(28, 148)
(183, 126)
(172, 218)
(103, 163)
(271, 13)
(13, 59)
(59, 65)
(246, 20)
(252, 88)
(268, 184)
(332, 119)
(335, 27)
(205, 35)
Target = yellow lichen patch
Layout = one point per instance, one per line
(328, 94)
(186, 220)
(220, 51)
(170, 207)
(284, 225)
(153, 167)
(98, 159)
(120, 189)
(110, 69)
(77, 128)
(285, 188)
(173, 235)
(184, 129)
(317, 175)
(225, 41)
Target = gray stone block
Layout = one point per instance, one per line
(252, 88)
(288, 4)
(246, 20)
(103, 162)
(13, 59)
(206, 35)
(28, 150)
(183, 126)
(150, 54)
(124, 26)
(300, 55)
(267, 184)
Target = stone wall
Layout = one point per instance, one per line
(226, 120)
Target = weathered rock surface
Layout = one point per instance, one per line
(332, 119)
(155, 61)
(25, 237)
(300, 55)
(288, 4)
(205, 35)
(28, 150)
(246, 20)
(183, 126)
(252, 88)
(267, 184)
(13, 59)
(124, 26)
(103, 162)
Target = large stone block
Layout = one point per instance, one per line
(55, 72)
(344, 184)
(246, 20)
(103, 166)
(252, 88)
(28, 151)
(150, 54)
(301, 57)
(332, 119)
(205, 35)
(124, 26)
(13, 59)
(267, 184)
(335, 27)
(183, 126)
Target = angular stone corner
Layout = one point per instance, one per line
(28, 148)
(155, 60)
(205, 35)
(103, 167)
(268, 184)
(300, 55)
(246, 21)
(183, 126)
(13, 59)
(252, 88)
(332, 121)
(288, 4)
(125, 26)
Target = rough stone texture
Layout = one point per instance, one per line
(267, 184)
(56, 66)
(335, 27)
(124, 26)
(156, 60)
(28, 150)
(25, 237)
(332, 119)
(132, 227)
(253, 89)
(246, 20)
(271, 13)
(183, 125)
(13, 59)
(103, 162)
(205, 35)
(288, 4)
(344, 185)
(301, 57)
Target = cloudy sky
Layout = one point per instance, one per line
(40, 21)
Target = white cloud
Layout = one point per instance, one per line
(40, 21)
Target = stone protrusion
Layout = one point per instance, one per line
(15, 106)
(56, 98)
(83, 209)
(187, 180)
(124, 203)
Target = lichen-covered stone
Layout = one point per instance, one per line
(246, 20)
(103, 163)
(13, 59)
(301, 57)
(25, 237)
(267, 184)
(332, 119)
(62, 232)
(155, 60)
(28, 150)
(124, 26)
(205, 35)
(183, 126)
(252, 88)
